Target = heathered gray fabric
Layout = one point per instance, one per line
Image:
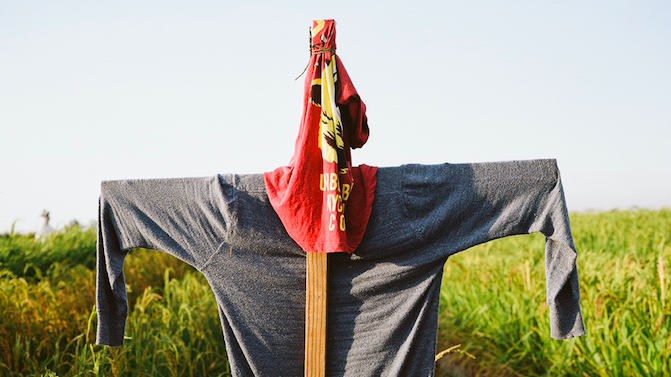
(383, 298)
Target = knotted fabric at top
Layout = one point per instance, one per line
(323, 201)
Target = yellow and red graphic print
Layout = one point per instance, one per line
(323, 201)
(336, 181)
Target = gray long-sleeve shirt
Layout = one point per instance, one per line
(383, 298)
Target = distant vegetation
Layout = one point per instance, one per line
(74, 245)
(493, 311)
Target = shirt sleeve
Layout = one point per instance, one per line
(183, 217)
(461, 205)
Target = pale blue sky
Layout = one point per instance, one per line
(92, 91)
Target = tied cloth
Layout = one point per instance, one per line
(323, 201)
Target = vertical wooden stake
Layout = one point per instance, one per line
(315, 315)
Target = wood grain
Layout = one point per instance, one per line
(315, 315)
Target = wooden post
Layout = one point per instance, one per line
(315, 315)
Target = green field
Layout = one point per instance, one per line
(493, 313)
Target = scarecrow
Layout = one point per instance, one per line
(251, 236)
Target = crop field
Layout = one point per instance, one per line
(493, 316)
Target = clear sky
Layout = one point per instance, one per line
(93, 91)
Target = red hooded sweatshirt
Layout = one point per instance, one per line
(323, 201)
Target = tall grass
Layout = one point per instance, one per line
(493, 302)
(492, 306)
(48, 320)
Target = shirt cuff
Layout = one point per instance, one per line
(111, 327)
